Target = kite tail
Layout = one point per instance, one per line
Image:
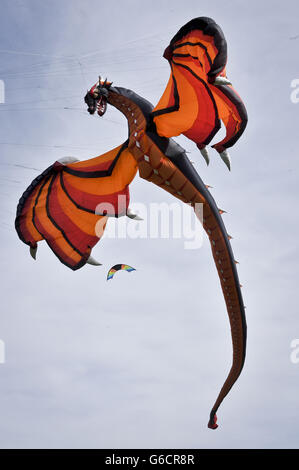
(165, 163)
(231, 288)
(228, 276)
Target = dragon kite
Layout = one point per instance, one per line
(62, 204)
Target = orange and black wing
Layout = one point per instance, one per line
(191, 104)
(68, 205)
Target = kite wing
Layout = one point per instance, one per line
(68, 204)
(195, 99)
(119, 267)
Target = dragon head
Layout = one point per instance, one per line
(96, 97)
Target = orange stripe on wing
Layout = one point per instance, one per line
(177, 122)
(64, 216)
(122, 175)
(52, 234)
(205, 122)
(28, 231)
(96, 161)
(89, 202)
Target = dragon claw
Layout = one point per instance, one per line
(93, 261)
(133, 216)
(221, 81)
(33, 251)
(226, 158)
(205, 154)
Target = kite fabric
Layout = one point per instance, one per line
(67, 203)
(193, 103)
(119, 267)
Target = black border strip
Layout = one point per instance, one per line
(36, 201)
(176, 105)
(73, 267)
(153, 458)
(54, 221)
(83, 260)
(217, 124)
(85, 209)
(188, 43)
(210, 28)
(27, 193)
(188, 55)
(78, 206)
(100, 173)
(234, 98)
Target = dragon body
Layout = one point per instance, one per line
(61, 205)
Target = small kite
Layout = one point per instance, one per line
(119, 267)
(61, 206)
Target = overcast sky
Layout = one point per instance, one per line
(138, 362)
